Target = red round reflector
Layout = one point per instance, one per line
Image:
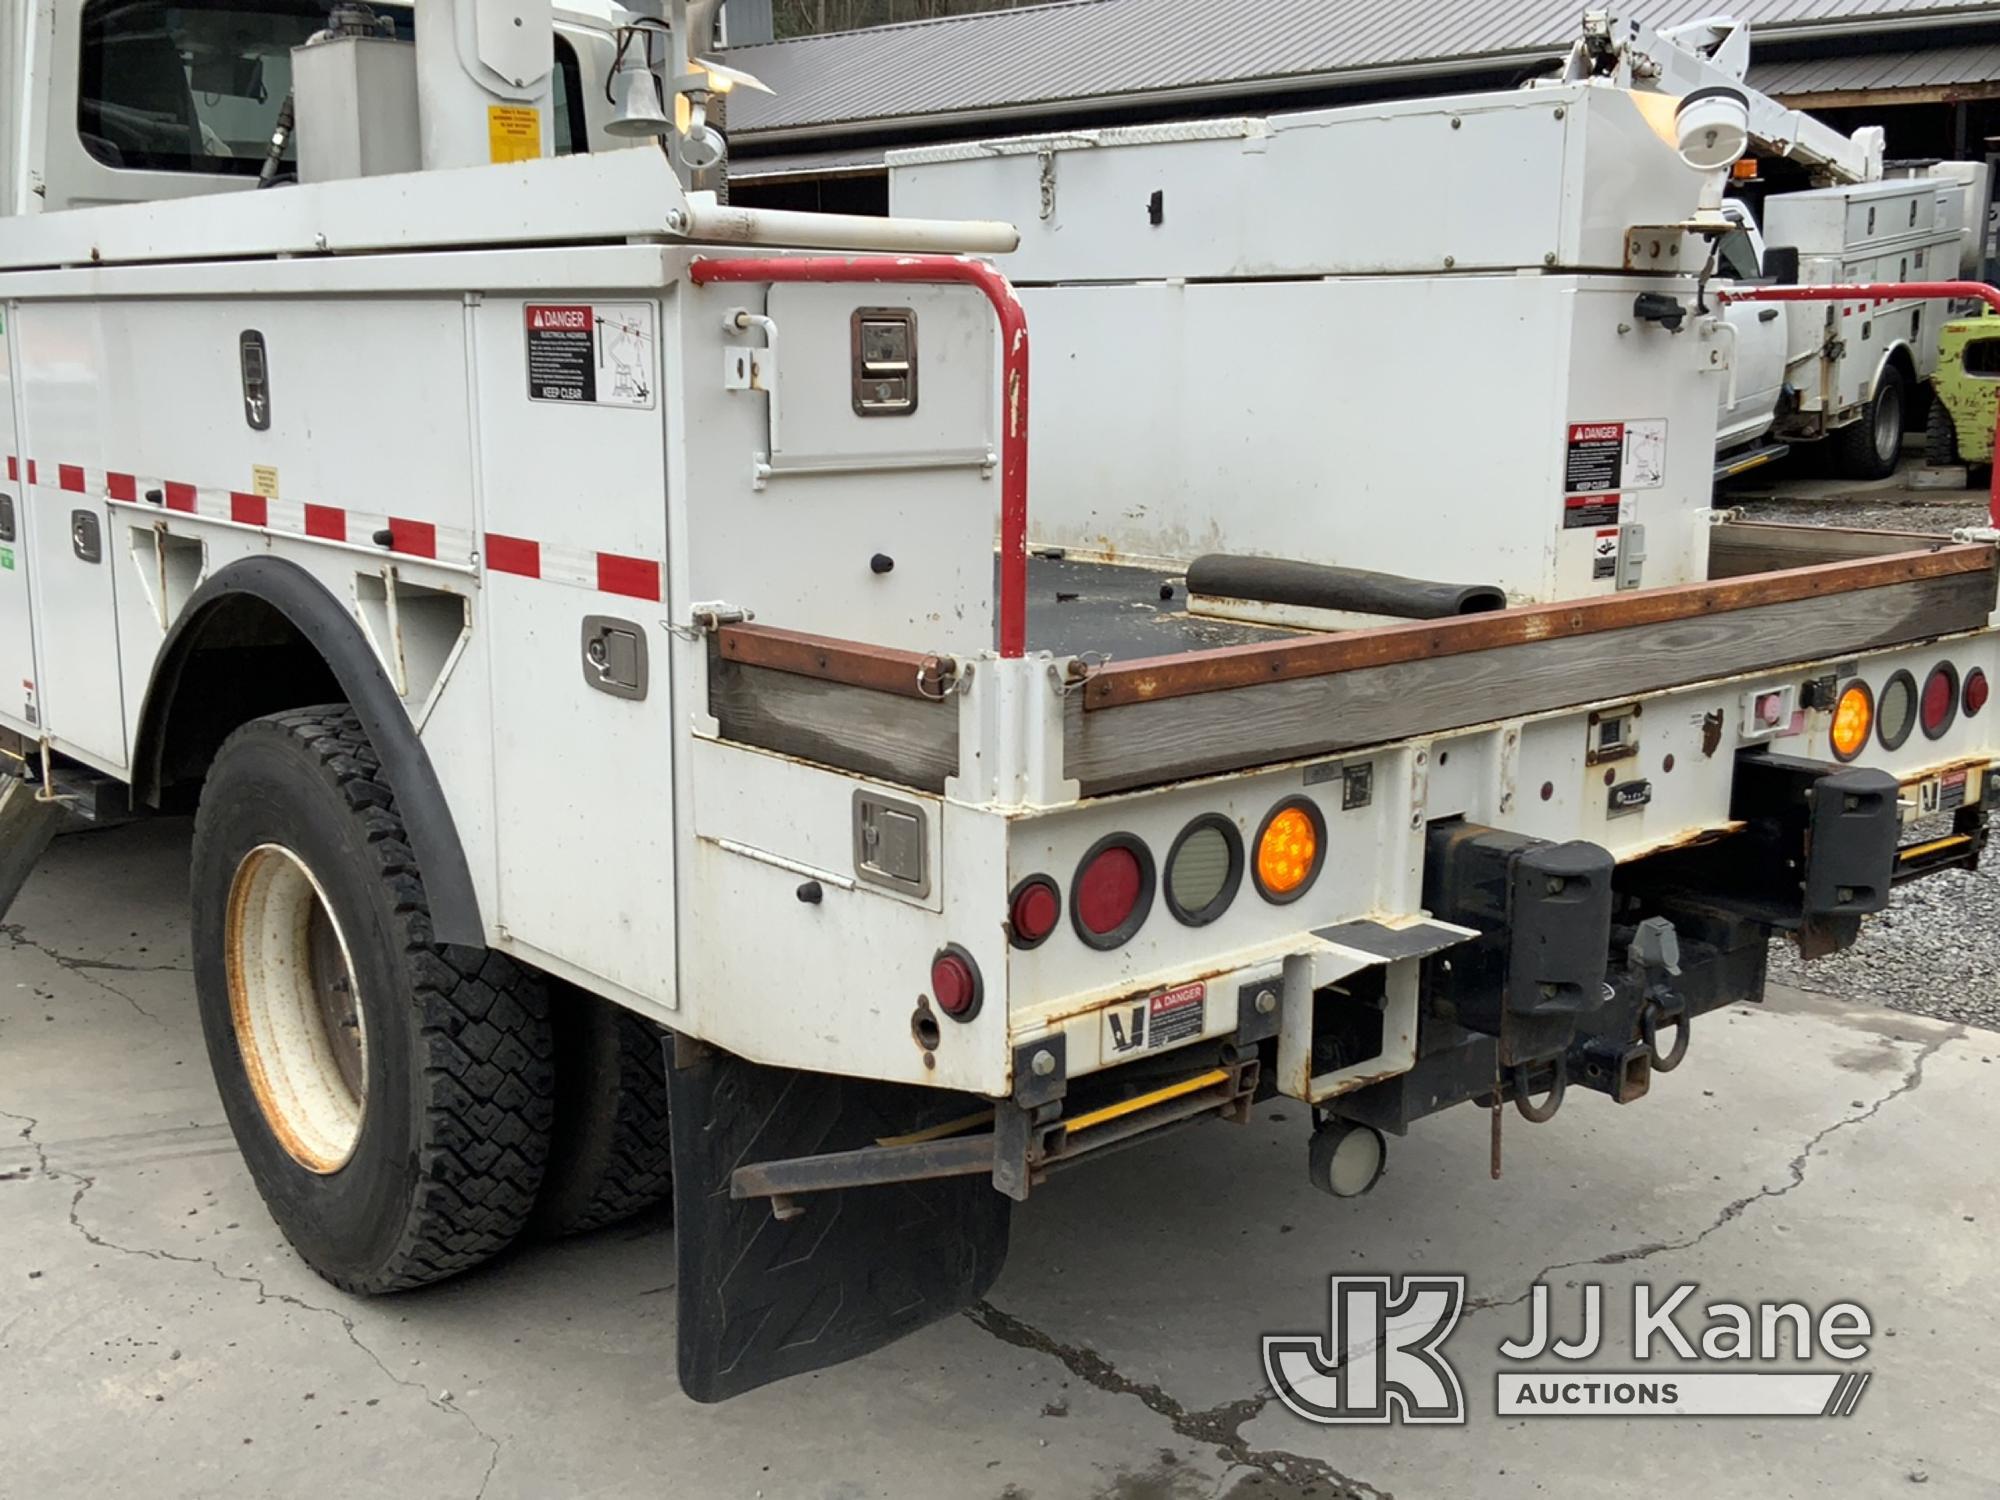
(1940, 701)
(1034, 911)
(1976, 691)
(954, 983)
(1108, 889)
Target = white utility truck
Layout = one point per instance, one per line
(570, 608)
(1849, 371)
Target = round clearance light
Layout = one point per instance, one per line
(1204, 870)
(1291, 846)
(955, 983)
(1940, 700)
(1896, 710)
(1112, 892)
(1853, 717)
(1033, 911)
(1976, 691)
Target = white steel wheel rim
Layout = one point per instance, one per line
(1888, 428)
(296, 1008)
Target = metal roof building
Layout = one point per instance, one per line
(839, 100)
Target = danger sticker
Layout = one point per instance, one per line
(591, 353)
(1604, 554)
(1581, 511)
(1601, 457)
(1163, 1020)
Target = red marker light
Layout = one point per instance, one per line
(955, 983)
(1034, 911)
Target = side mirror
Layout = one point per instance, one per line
(1781, 265)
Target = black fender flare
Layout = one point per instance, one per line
(331, 631)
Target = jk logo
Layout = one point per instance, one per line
(1382, 1362)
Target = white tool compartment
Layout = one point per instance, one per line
(1549, 177)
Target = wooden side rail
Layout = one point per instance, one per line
(1158, 678)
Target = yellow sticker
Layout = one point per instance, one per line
(514, 132)
(264, 481)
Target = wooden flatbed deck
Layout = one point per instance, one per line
(1164, 695)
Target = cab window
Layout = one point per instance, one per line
(190, 87)
(1736, 256)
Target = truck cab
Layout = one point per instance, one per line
(129, 101)
(1749, 399)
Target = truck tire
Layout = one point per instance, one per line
(392, 1098)
(612, 1157)
(1872, 447)
(1940, 437)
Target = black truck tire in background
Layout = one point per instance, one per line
(317, 981)
(1940, 436)
(611, 1157)
(1872, 447)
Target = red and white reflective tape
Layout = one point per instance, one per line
(605, 572)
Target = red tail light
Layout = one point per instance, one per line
(1940, 701)
(1112, 892)
(955, 982)
(1033, 912)
(1976, 691)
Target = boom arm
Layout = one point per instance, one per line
(1714, 55)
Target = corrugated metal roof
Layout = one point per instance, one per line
(1044, 55)
(1916, 68)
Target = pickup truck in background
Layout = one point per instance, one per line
(1848, 373)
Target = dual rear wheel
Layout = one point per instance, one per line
(407, 1109)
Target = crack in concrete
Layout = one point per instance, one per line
(1731, 1211)
(1220, 1426)
(85, 1182)
(88, 968)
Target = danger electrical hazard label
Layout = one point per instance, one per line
(591, 354)
(1604, 456)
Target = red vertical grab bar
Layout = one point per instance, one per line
(1893, 291)
(941, 270)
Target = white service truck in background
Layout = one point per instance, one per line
(1848, 372)
(618, 665)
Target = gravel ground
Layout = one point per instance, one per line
(1936, 950)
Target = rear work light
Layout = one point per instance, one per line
(1033, 911)
(955, 983)
(1940, 700)
(1291, 847)
(1204, 870)
(1853, 717)
(1112, 892)
(1896, 710)
(1976, 691)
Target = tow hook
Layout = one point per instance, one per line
(1541, 1114)
(1655, 1015)
(1345, 1159)
(1656, 952)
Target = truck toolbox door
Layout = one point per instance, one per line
(19, 707)
(73, 551)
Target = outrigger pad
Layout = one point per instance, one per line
(761, 1298)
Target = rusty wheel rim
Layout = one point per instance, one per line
(296, 1009)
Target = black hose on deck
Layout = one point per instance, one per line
(1277, 580)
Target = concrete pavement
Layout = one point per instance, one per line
(158, 1338)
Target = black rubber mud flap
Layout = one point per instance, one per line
(762, 1299)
